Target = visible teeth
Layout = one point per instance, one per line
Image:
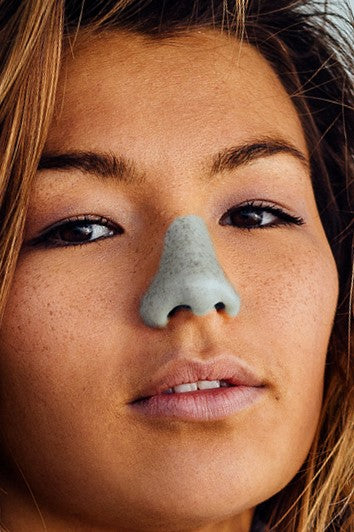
(190, 387)
(205, 385)
(199, 385)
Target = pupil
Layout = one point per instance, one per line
(249, 217)
(77, 234)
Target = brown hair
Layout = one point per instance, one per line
(311, 56)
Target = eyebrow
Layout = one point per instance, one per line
(105, 165)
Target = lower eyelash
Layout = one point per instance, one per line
(287, 219)
(43, 240)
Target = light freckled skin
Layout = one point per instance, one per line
(74, 350)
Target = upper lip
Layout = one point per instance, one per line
(181, 370)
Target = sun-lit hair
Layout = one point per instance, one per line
(310, 50)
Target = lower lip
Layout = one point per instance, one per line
(201, 405)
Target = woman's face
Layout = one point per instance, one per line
(74, 349)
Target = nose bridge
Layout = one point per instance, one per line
(189, 275)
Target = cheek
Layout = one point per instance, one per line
(63, 336)
(59, 302)
(288, 303)
(64, 347)
(288, 294)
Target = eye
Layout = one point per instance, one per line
(258, 216)
(77, 231)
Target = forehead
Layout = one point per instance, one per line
(116, 91)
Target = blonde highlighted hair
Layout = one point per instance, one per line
(312, 58)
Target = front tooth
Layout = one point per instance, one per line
(190, 387)
(205, 385)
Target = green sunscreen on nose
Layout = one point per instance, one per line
(189, 275)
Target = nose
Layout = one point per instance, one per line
(189, 276)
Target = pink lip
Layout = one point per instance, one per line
(182, 370)
(201, 405)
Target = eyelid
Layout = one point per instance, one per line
(92, 218)
(89, 218)
(265, 205)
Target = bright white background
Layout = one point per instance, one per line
(338, 5)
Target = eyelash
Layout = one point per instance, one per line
(261, 206)
(44, 239)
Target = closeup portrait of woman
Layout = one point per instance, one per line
(176, 210)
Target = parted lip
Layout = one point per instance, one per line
(229, 368)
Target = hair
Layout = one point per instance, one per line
(311, 56)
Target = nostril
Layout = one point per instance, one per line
(176, 309)
(220, 305)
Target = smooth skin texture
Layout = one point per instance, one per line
(74, 350)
